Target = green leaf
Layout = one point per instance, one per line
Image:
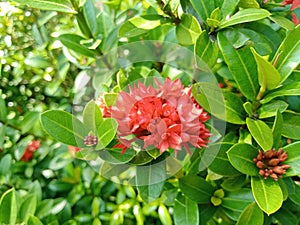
(283, 22)
(164, 215)
(92, 116)
(268, 77)
(241, 63)
(270, 109)
(110, 98)
(203, 8)
(140, 25)
(21, 147)
(261, 132)
(114, 155)
(295, 197)
(89, 13)
(235, 112)
(248, 4)
(267, 194)
(188, 30)
(286, 217)
(3, 109)
(252, 215)
(106, 132)
(64, 127)
(196, 188)
(293, 159)
(5, 164)
(241, 157)
(216, 159)
(248, 108)
(291, 126)
(291, 89)
(8, 207)
(206, 49)
(32, 220)
(55, 5)
(185, 211)
(237, 200)
(286, 58)
(73, 42)
(245, 15)
(228, 7)
(150, 180)
(28, 207)
(30, 119)
(277, 129)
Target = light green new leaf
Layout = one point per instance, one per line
(291, 126)
(8, 207)
(270, 109)
(283, 22)
(268, 77)
(64, 127)
(235, 112)
(196, 188)
(261, 132)
(241, 62)
(241, 157)
(293, 159)
(188, 30)
(164, 215)
(206, 49)
(92, 116)
(248, 4)
(252, 215)
(32, 220)
(185, 211)
(106, 132)
(286, 58)
(267, 194)
(243, 16)
(203, 8)
(55, 5)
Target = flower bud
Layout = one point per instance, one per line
(273, 162)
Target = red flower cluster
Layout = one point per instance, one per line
(163, 117)
(30, 149)
(295, 4)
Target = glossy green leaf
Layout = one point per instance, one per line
(261, 132)
(283, 22)
(3, 109)
(293, 159)
(291, 126)
(228, 7)
(64, 127)
(28, 207)
(92, 116)
(241, 157)
(55, 5)
(270, 109)
(216, 159)
(249, 4)
(241, 63)
(252, 215)
(30, 119)
(140, 25)
(150, 180)
(185, 211)
(106, 132)
(110, 98)
(196, 188)
(286, 58)
(286, 90)
(203, 8)
(243, 16)
(8, 207)
(32, 220)
(188, 30)
(114, 155)
(237, 200)
(89, 13)
(164, 215)
(277, 129)
(267, 194)
(235, 112)
(248, 108)
(206, 49)
(268, 77)
(73, 42)
(286, 217)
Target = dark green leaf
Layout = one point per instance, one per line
(261, 132)
(291, 126)
(73, 42)
(234, 183)
(243, 16)
(188, 30)
(64, 127)
(28, 207)
(286, 58)
(252, 215)
(241, 63)
(106, 132)
(277, 129)
(203, 8)
(3, 110)
(206, 49)
(267, 194)
(89, 13)
(293, 159)
(196, 188)
(270, 109)
(55, 5)
(8, 207)
(114, 155)
(286, 217)
(295, 197)
(241, 156)
(92, 116)
(237, 200)
(185, 211)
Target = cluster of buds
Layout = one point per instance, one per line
(90, 140)
(269, 163)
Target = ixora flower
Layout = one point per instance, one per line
(30, 149)
(295, 4)
(163, 117)
(270, 163)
